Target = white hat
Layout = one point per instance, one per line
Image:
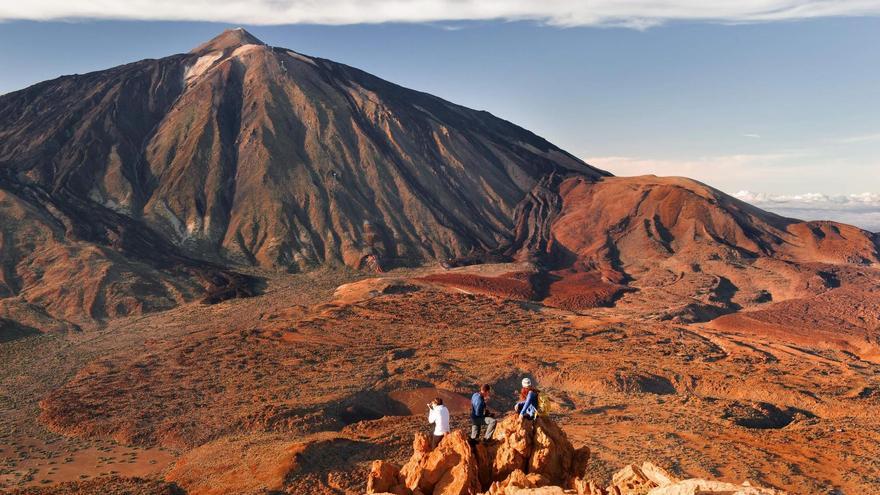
(526, 382)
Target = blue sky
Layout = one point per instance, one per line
(787, 110)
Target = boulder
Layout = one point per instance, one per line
(538, 447)
(450, 469)
(385, 477)
(554, 457)
(630, 481)
(706, 487)
(651, 479)
(512, 446)
(516, 482)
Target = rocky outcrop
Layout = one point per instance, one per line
(385, 477)
(538, 448)
(650, 479)
(522, 455)
(450, 469)
(706, 487)
(632, 479)
(527, 458)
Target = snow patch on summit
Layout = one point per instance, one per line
(202, 64)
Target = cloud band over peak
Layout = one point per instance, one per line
(566, 13)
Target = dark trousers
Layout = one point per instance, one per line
(477, 424)
(435, 440)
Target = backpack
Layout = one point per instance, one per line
(544, 405)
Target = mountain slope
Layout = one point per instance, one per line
(237, 154)
(244, 152)
(674, 248)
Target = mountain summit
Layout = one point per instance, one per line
(241, 154)
(231, 38)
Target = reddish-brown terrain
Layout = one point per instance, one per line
(394, 247)
(241, 154)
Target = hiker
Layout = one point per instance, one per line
(438, 416)
(481, 415)
(527, 407)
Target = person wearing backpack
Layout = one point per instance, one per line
(528, 405)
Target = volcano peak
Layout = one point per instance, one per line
(230, 38)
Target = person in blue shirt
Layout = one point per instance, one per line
(527, 407)
(481, 415)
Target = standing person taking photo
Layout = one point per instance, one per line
(438, 415)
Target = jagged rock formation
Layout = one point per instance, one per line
(526, 458)
(241, 153)
(649, 479)
(540, 448)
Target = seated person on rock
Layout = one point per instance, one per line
(480, 414)
(438, 416)
(527, 407)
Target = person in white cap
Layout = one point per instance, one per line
(438, 416)
(527, 407)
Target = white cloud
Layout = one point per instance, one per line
(638, 15)
(816, 200)
(861, 210)
(753, 136)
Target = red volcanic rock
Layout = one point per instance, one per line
(633, 479)
(515, 438)
(536, 447)
(516, 483)
(539, 448)
(553, 457)
(527, 458)
(385, 477)
(653, 480)
(635, 222)
(681, 241)
(450, 469)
